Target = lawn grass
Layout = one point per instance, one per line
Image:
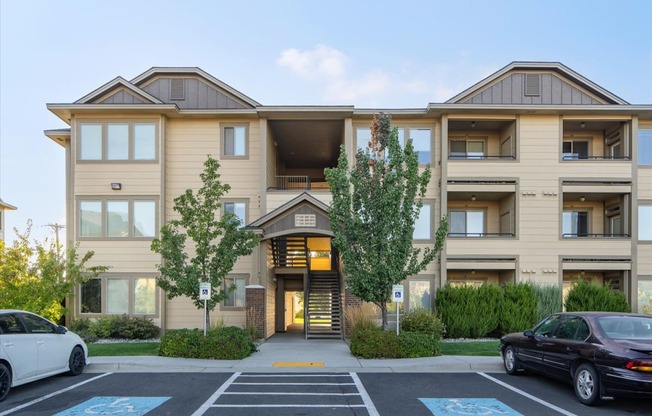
(123, 349)
(482, 348)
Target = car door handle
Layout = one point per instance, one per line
(9, 344)
(40, 342)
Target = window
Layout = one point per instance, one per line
(645, 146)
(546, 327)
(237, 208)
(575, 224)
(236, 297)
(423, 223)
(119, 294)
(125, 141)
(10, 324)
(113, 218)
(574, 149)
(645, 295)
(467, 223)
(645, 222)
(573, 328)
(419, 295)
(38, 325)
(235, 141)
(467, 149)
(421, 137)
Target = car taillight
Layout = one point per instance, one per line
(640, 365)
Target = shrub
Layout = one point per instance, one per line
(360, 318)
(469, 312)
(83, 328)
(376, 343)
(424, 322)
(585, 296)
(121, 327)
(548, 300)
(224, 343)
(519, 307)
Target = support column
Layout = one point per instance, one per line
(255, 307)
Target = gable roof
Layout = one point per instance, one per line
(288, 206)
(142, 79)
(116, 83)
(4, 205)
(558, 68)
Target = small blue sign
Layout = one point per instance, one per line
(133, 406)
(456, 407)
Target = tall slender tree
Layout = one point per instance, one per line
(376, 203)
(217, 241)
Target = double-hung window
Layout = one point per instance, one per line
(423, 223)
(117, 218)
(575, 149)
(645, 147)
(575, 224)
(645, 222)
(421, 140)
(467, 223)
(235, 141)
(237, 208)
(235, 288)
(117, 141)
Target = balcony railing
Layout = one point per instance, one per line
(297, 183)
(459, 156)
(586, 157)
(594, 235)
(481, 235)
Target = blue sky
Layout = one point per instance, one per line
(365, 53)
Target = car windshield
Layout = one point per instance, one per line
(626, 327)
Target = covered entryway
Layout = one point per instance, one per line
(300, 260)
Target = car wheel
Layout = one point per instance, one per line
(5, 381)
(587, 384)
(510, 361)
(76, 362)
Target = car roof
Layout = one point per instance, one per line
(595, 314)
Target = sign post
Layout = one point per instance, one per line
(205, 295)
(397, 296)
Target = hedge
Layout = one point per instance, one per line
(224, 343)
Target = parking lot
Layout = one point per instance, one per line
(427, 394)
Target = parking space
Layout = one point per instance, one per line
(317, 394)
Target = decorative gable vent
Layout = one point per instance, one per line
(532, 84)
(177, 89)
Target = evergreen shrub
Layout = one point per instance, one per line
(548, 300)
(586, 296)
(468, 311)
(519, 307)
(225, 343)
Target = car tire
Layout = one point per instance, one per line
(510, 361)
(5, 381)
(586, 382)
(77, 361)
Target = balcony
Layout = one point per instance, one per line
(482, 140)
(478, 270)
(595, 140)
(481, 209)
(596, 210)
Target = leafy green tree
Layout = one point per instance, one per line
(37, 278)
(375, 205)
(216, 242)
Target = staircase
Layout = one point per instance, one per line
(290, 251)
(324, 306)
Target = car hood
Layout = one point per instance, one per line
(637, 345)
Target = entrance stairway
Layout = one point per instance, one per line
(323, 316)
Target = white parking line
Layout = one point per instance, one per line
(207, 404)
(40, 399)
(528, 395)
(371, 408)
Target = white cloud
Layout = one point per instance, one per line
(371, 85)
(321, 61)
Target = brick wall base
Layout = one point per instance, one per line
(255, 306)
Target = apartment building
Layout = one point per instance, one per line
(4, 207)
(544, 176)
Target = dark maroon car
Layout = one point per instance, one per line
(603, 354)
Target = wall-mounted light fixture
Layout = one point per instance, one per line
(473, 124)
(472, 197)
(582, 199)
(116, 186)
(582, 125)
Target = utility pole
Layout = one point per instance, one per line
(56, 227)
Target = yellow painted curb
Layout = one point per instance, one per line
(298, 364)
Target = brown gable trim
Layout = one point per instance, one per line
(280, 211)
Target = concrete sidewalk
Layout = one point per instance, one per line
(293, 354)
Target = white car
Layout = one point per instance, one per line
(32, 348)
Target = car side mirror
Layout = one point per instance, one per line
(528, 333)
(61, 329)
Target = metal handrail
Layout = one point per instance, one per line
(292, 182)
(594, 235)
(481, 235)
(586, 157)
(479, 157)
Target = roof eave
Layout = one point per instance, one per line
(59, 136)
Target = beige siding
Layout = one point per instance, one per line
(136, 178)
(644, 262)
(645, 183)
(122, 256)
(276, 199)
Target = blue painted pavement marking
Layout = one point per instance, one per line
(133, 406)
(455, 407)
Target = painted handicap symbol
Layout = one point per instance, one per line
(132, 406)
(469, 407)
